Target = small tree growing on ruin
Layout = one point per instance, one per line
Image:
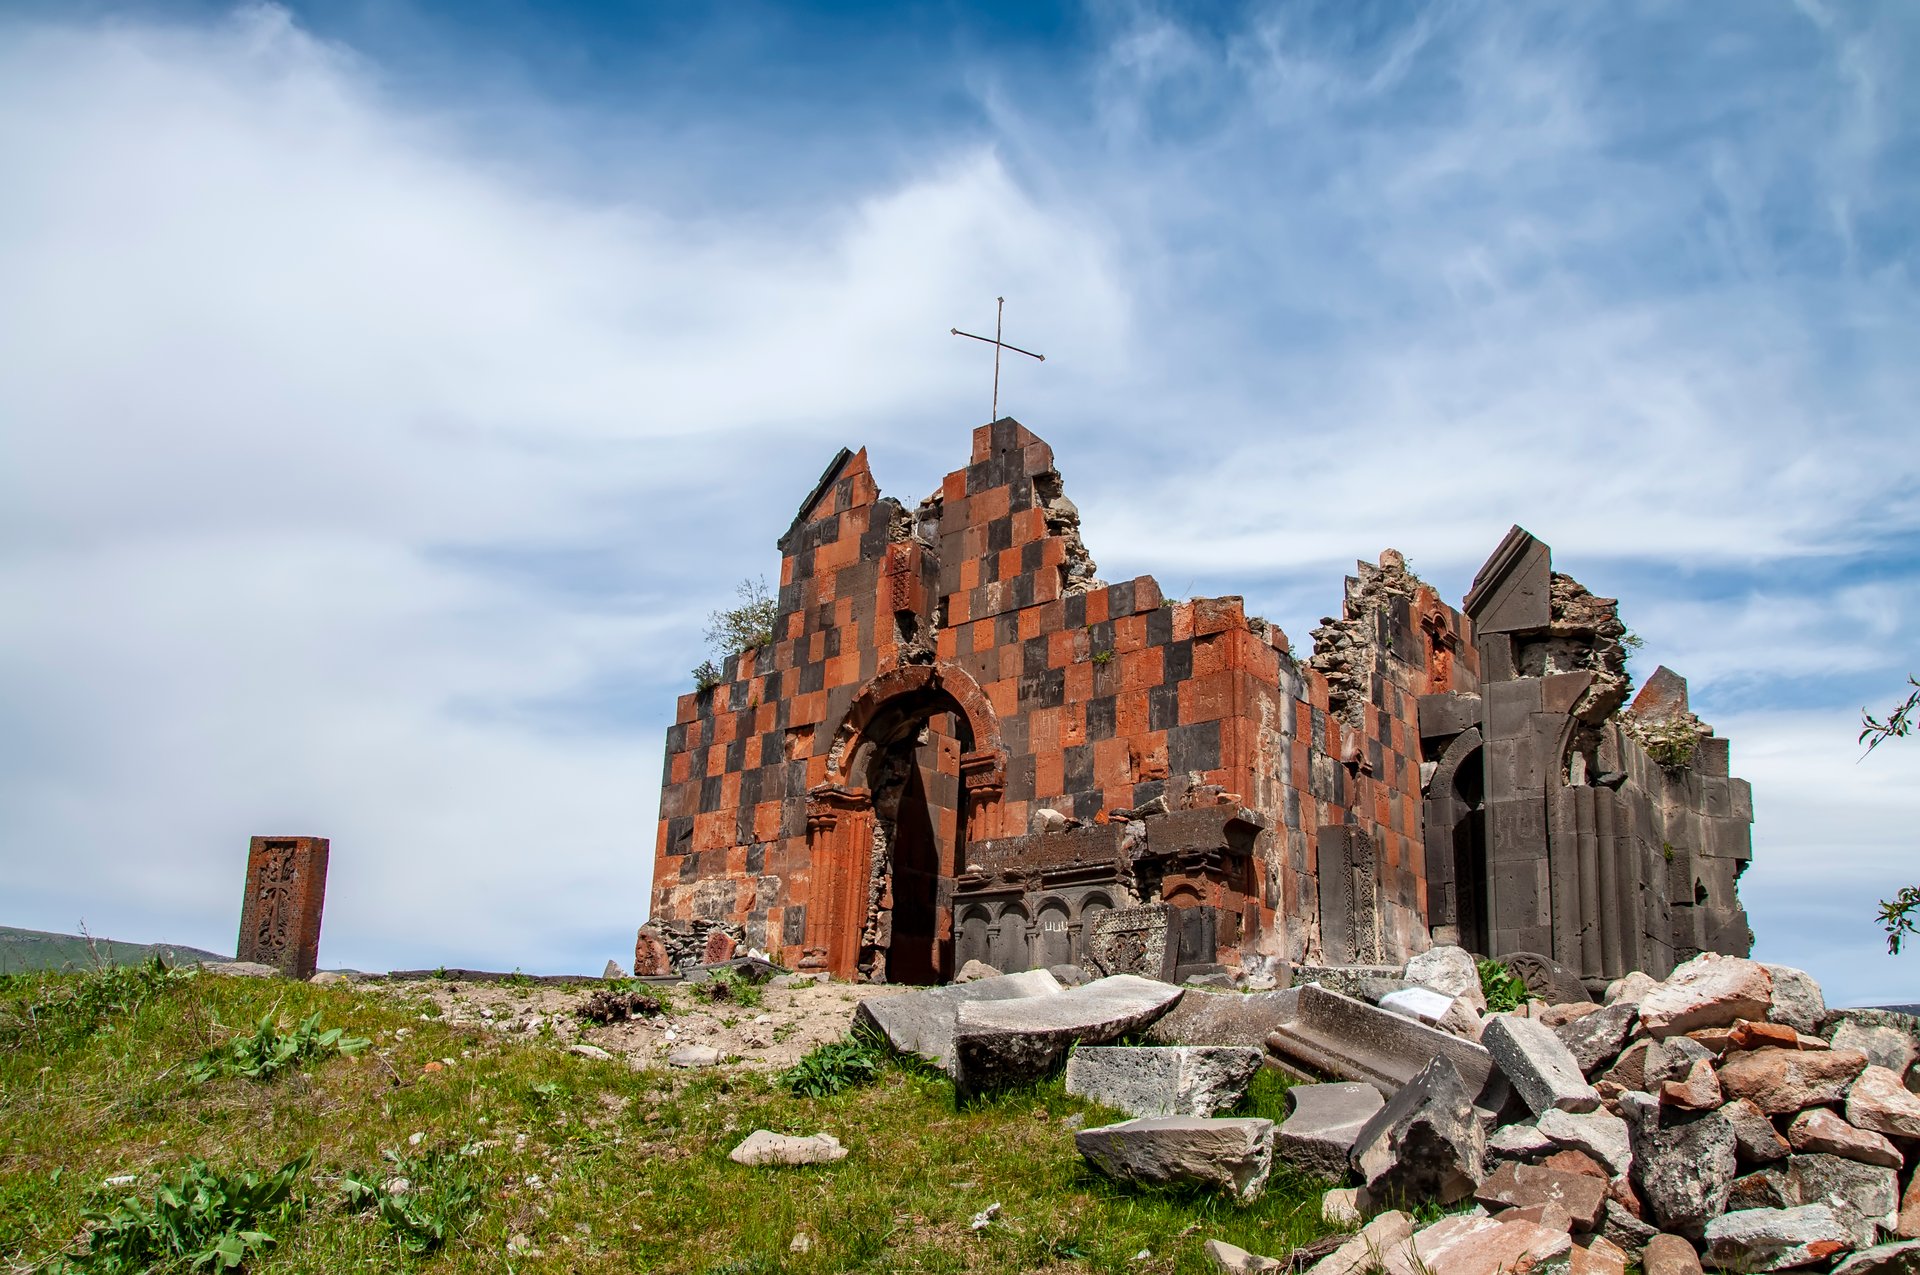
(1896, 914)
(732, 630)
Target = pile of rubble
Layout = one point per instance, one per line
(1721, 1114)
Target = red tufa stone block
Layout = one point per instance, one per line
(1142, 670)
(1218, 615)
(720, 947)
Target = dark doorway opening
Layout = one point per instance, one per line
(1470, 851)
(919, 839)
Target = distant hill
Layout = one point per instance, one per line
(25, 951)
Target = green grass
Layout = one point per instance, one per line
(597, 1166)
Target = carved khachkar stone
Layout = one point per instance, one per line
(1132, 941)
(286, 891)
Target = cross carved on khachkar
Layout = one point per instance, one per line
(286, 891)
(998, 345)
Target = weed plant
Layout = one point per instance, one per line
(430, 1198)
(269, 1051)
(1503, 988)
(201, 1219)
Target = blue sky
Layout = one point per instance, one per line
(388, 391)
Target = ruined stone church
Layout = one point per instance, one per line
(962, 745)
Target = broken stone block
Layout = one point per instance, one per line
(1233, 1154)
(693, 1056)
(1672, 1059)
(1004, 1042)
(1819, 1130)
(1631, 989)
(1767, 1189)
(720, 948)
(1171, 1080)
(1907, 1223)
(1682, 1171)
(1422, 1004)
(1341, 1206)
(1557, 1016)
(1888, 1039)
(1621, 1227)
(1449, 970)
(1519, 1186)
(763, 1146)
(1779, 1081)
(1600, 1134)
(1708, 991)
(1318, 1137)
(1231, 1260)
(1597, 1038)
(1599, 1257)
(1754, 1135)
(1352, 1040)
(974, 971)
(1469, 1245)
(1797, 1000)
(1425, 1143)
(1670, 1255)
(1879, 1102)
(1541, 1069)
(1519, 1142)
(1751, 1035)
(1776, 1239)
(1550, 1215)
(1224, 1018)
(1568, 1160)
(1629, 1071)
(1364, 1252)
(650, 956)
(922, 1022)
(1700, 1091)
(1870, 1192)
(1899, 1258)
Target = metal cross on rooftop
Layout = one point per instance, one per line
(998, 345)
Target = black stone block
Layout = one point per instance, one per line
(1195, 747)
(1179, 660)
(1160, 626)
(1079, 767)
(1101, 718)
(1163, 707)
(710, 794)
(1074, 611)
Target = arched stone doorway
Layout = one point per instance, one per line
(913, 766)
(1456, 822)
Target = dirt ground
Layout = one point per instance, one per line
(789, 1021)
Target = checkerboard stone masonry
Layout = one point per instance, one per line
(862, 794)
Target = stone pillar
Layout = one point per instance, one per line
(280, 915)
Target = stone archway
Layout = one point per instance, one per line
(915, 763)
(1455, 820)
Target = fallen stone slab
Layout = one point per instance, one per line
(1672, 1059)
(1166, 1080)
(1426, 1143)
(1422, 1004)
(1629, 1070)
(1797, 999)
(1364, 982)
(1596, 1039)
(752, 968)
(1708, 991)
(1767, 1189)
(1007, 1042)
(1630, 989)
(1541, 1069)
(1683, 1170)
(1567, 1160)
(589, 1051)
(1819, 1130)
(1902, 1257)
(1757, 1141)
(1782, 1081)
(1341, 1206)
(1470, 1245)
(1869, 1191)
(1600, 1134)
(1670, 1255)
(1364, 1251)
(1232, 1260)
(1776, 1239)
(974, 971)
(1234, 1154)
(1327, 1119)
(1349, 1039)
(763, 1146)
(1224, 1018)
(1450, 970)
(1750, 1035)
(922, 1022)
(1519, 1186)
(1879, 1102)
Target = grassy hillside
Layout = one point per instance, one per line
(26, 951)
(519, 1155)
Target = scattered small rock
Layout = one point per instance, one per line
(763, 1146)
